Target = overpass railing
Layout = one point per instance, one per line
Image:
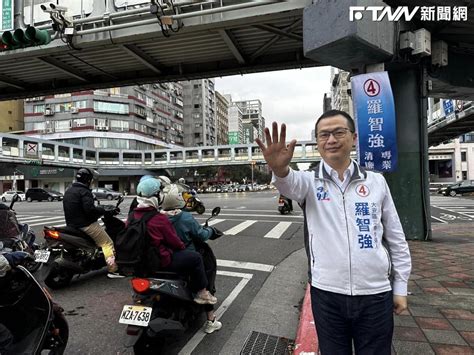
(28, 150)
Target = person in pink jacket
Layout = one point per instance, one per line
(173, 256)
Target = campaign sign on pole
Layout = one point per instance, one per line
(374, 110)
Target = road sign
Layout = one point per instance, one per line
(448, 107)
(31, 148)
(6, 15)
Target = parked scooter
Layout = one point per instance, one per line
(285, 205)
(15, 236)
(163, 306)
(70, 251)
(30, 316)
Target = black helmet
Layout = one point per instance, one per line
(85, 176)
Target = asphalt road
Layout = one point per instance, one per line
(93, 302)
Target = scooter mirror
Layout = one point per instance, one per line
(216, 211)
(119, 201)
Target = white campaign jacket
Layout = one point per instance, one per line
(353, 238)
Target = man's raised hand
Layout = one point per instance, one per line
(277, 154)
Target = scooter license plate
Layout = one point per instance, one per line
(281, 204)
(135, 315)
(42, 256)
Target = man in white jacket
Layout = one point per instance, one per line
(358, 258)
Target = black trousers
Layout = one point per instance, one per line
(189, 263)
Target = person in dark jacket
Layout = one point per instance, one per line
(173, 256)
(191, 233)
(81, 213)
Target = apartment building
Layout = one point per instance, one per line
(133, 117)
(252, 113)
(222, 119)
(200, 112)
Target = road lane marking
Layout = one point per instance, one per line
(245, 265)
(199, 336)
(277, 215)
(36, 219)
(239, 227)
(44, 222)
(215, 221)
(438, 219)
(278, 230)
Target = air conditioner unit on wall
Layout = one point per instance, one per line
(102, 128)
(74, 110)
(48, 111)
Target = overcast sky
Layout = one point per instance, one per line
(293, 97)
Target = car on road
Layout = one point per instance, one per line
(40, 194)
(460, 188)
(8, 195)
(103, 193)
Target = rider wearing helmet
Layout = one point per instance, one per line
(164, 180)
(81, 213)
(194, 236)
(172, 255)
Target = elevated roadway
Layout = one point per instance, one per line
(116, 46)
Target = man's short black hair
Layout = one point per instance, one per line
(332, 113)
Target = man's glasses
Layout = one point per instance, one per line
(337, 133)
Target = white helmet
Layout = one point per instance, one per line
(165, 180)
(173, 198)
(181, 181)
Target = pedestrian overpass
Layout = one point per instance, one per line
(33, 151)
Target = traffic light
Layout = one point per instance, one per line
(20, 38)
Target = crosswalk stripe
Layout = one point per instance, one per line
(215, 221)
(36, 219)
(278, 230)
(239, 227)
(49, 222)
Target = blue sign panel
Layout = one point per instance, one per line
(448, 107)
(374, 110)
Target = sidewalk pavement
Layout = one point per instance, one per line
(440, 315)
(275, 309)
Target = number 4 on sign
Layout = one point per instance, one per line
(371, 87)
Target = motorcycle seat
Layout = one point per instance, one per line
(166, 275)
(74, 231)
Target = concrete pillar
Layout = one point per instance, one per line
(21, 148)
(409, 184)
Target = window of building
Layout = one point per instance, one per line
(197, 106)
(114, 91)
(149, 101)
(63, 107)
(197, 135)
(196, 115)
(463, 156)
(57, 96)
(111, 107)
(39, 126)
(101, 122)
(80, 122)
(118, 125)
(38, 108)
(464, 175)
(63, 125)
(140, 111)
(140, 95)
(80, 104)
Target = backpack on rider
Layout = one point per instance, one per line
(134, 253)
